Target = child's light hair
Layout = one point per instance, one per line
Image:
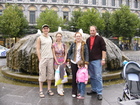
(81, 63)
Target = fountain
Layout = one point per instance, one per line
(22, 56)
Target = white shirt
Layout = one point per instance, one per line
(78, 54)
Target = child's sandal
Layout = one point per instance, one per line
(41, 94)
(50, 93)
(78, 94)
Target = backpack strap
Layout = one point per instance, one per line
(51, 38)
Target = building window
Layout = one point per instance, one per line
(76, 1)
(44, 0)
(120, 2)
(32, 17)
(0, 12)
(85, 1)
(32, 0)
(113, 2)
(53, 0)
(65, 16)
(103, 2)
(136, 4)
(65, 1)
(127, 2)
(93, 1)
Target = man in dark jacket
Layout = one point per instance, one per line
(97, 55)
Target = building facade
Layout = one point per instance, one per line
(64, 8)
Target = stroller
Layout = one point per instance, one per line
(131, 75)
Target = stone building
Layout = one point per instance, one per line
(64, 8)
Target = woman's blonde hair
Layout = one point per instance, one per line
(78, 33)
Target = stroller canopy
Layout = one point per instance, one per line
(131, 68)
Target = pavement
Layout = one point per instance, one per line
(24, 95)
(133, 55)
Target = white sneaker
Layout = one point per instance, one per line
(73, 95)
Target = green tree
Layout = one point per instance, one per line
(51, 18)
(138, 29)
(107, 32)
(90, 17)
(124, 22)
(72, 24)
(12, 22)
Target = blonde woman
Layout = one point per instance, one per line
(77, 51)
(60, 54)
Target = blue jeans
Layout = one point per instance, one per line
(81, 88)
(95, 72)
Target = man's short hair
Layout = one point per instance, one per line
(45, 25)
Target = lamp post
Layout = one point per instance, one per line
(72, 28)
(137, 31)
(137, 37)
(137, 34)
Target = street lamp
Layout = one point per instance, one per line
(72, 28)
(137, 31)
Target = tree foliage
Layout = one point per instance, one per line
(51, 18)
(90, 17)
(12, 21)
(124, 22)
(72, 24)
(138, 29)
(107, 32)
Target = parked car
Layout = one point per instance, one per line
(3, 51)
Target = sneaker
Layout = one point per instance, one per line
(99, 97)
(78, 94)
(73, 95)
(91, 92)
(80, 97)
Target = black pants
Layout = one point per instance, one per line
(74, 68)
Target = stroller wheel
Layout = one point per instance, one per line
(119, 99)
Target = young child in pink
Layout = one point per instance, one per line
(81, 79)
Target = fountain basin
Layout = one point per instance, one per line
(14, 75)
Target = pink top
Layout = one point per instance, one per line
(82, 75)
(59, 53)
